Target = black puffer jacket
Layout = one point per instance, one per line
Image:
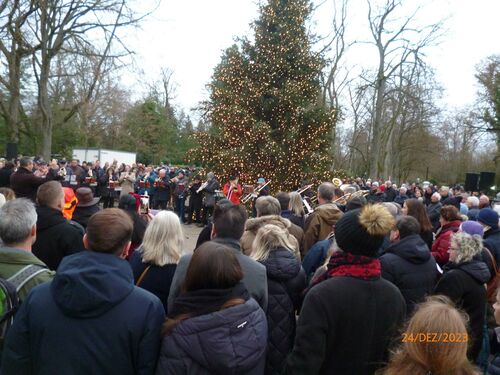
(56, 237)
(464, 284)
(408, 264)
(229, 342)
(285, 282)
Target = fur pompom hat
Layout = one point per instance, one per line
(362, 231)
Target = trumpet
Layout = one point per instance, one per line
(203, 186)
(257, 191)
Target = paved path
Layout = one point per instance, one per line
(191, 233)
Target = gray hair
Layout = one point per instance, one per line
(436, 195)
(466, 246)
(267, 205)
(210, 175)
(17, 217)
(473, 201)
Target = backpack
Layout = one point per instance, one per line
(9, 298)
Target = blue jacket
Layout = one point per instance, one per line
(90, 319)
(315, 257)
(231, 341)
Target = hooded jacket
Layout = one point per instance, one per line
(252, 226)
(285, 283)
(408, 264)
(232, 341)
(56, 237)
(320, 223)
(464, 284)
(90, 319)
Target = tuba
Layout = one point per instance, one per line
(337, 182)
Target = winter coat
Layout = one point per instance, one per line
(434, 212)
(472, 214)
(230, 341)
(252, 226)
(14, 260)
(375, 197)
(157, 279)
(162, 193)
(400, 199)
(428, 238)
(5, 174)
(254, 274)
(492, 242)
(442, 242)
(127, 181)
(316, 257)
(297, 220)
(236, 194)
(345, 327)
(209, 192)
(390, 194)
(494, 367)
(408, 264)
(464, 283)
(285, 282)
(82, 214)
(90, 319)
(181, 188)
(55, 237)
(25, 184)
(320, 224)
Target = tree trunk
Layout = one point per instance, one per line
(44, 106)
(377, 124)
(497, 164)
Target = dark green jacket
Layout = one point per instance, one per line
(13, 260)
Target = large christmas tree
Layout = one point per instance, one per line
(264, 109)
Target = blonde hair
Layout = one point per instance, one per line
(467, 246)
(270, 237)
(296, 205)
(436, 355)
(163, 240)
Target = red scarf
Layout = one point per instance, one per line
(347, 264)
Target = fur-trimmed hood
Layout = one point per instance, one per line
(253, 225)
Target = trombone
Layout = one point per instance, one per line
(251, 195)
(347, 197)
(203, 186)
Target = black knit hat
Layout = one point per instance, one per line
(362, 231)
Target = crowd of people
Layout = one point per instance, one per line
(357, 278)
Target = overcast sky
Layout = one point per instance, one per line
(188, 36)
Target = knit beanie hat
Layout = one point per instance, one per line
(488, 217)
(472, 227)
(362, 231)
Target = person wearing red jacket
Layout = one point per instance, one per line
(450, 222)
(232, 190)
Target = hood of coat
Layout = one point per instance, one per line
(48, 217)
(253, 225)
(229, 341)
(328, 213)
(88, 284)
(281, 264)
(476, 269)
(411, 248)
